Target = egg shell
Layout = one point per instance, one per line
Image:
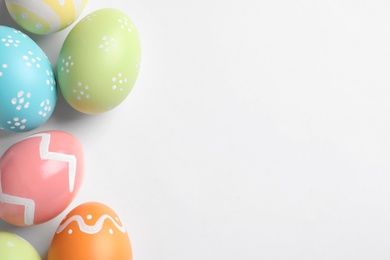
(45, 16)
(13, 247)
(99, 61)
(92, 230)
(39, 177)
(28, 92)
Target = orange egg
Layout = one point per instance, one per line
(91, 231)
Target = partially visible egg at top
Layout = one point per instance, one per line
(99, 61)
(92, 230)
(45, 16)
(28, 92)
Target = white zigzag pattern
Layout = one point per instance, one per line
(45, 154)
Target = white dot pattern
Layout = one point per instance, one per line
(10, 42)
(107, 43)
(21, 100)
(45, 108)
(17, 123)
(2, 68)
(125, 24)
(31, 60)
(66, 64)
(81, 91)
(118, 81)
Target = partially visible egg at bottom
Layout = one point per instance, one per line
(13, 247)
(92, 230)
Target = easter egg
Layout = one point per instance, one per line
(39, 177)
(92, 230)
(14, 247)
(27, 85)
(45, 16)
(99, 61)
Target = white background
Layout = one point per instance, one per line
(257, 129)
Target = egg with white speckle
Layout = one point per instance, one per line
(99, 61)
(92, 230)
(45, 16)
(14, 247)
(28, 91)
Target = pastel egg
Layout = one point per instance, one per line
(99, 61)
(91, 231)
(39, 177)
(14, 247)
(45, 16)
(28, 92)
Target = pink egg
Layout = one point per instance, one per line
(39, 177)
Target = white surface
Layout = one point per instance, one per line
(256, 130)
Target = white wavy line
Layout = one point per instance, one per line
(90, 229)
(42, 10)
(29, 204)
(46, 154)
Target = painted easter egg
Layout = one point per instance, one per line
(45, 16)
(14, 247)
(27, 85)
(91, 231)
(39, 177)
(99, 61)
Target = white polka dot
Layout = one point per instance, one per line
(24, 121)
(89, 216)
(9, 243)
(28, 64)
(114, 87)
(22, 127)
(70, 231)
(1, 73)
(111, 231)
(5, 66)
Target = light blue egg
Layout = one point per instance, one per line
(28, 91)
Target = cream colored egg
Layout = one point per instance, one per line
(45, 16)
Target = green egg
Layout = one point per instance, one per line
(99, 61)
(13, 247)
